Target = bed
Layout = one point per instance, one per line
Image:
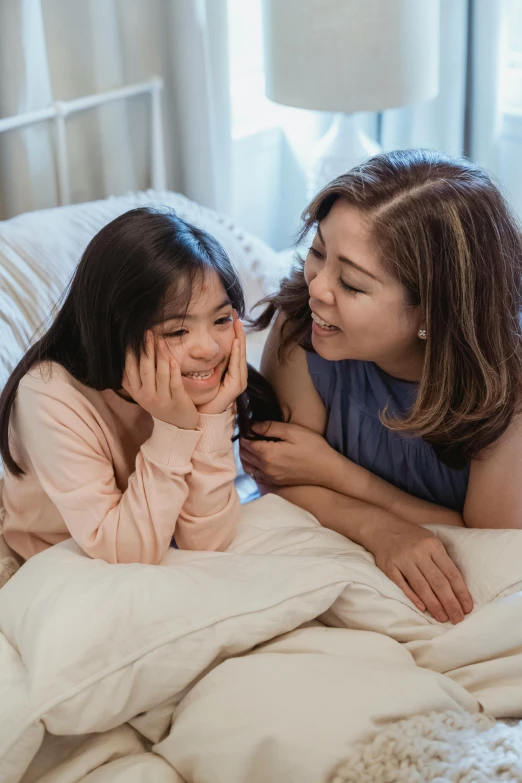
(290, 658)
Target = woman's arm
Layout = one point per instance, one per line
(494, 497)
(409, 555)
(301, 458)
(352, 518)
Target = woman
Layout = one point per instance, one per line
(398, 340)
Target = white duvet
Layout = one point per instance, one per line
(264, 664)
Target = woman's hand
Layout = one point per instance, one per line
(417, 561)
(297, 458)
(236, 377)
(155, 383)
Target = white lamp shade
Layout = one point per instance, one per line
(351, 55)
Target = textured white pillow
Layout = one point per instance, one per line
(39, 252)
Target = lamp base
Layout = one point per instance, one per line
(343, 146)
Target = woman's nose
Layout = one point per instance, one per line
(320, 288)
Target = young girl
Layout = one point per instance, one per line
(398, 340)
(116, 427)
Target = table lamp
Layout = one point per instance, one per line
(347, 56)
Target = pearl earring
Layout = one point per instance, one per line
(422, 334)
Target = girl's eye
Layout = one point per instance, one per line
(346, 287)
(315, 252)
(177, 333)
(226, 319)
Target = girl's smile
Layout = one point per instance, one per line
(198, 380)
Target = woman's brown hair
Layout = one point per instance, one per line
(443, 229)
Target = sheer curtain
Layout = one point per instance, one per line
(62, 49)
(245, 157)
(466, 116)
(25, 85)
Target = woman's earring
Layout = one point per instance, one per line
(422, 334)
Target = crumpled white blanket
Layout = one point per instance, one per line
(265, 663)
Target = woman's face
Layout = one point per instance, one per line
(359, 310)
(201, 339)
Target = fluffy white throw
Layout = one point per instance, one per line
(446, 747)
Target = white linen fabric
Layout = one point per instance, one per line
(267, 662)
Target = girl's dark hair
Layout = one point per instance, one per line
(117, 293)
(443, 229)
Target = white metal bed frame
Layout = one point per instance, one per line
(60, 110)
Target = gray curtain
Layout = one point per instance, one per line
(465, 118)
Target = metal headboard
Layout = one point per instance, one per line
(60, 110)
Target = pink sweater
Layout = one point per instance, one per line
(122, 484)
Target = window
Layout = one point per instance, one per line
(512, 87)
(251, 109)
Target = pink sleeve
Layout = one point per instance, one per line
(210, 514)
(68, 452)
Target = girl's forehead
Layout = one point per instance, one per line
(205, 296)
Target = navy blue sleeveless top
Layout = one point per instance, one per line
(354, 393)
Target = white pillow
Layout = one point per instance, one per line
(39, 252)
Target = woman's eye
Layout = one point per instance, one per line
(316, 253)
(226, 319)
(177, 333)
(347, 287)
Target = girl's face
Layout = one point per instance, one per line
(201, 339)
(359, 310)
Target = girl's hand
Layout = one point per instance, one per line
(155, 383)
(236, 377)
(297, 458)
(417, 561)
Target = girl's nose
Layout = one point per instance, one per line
(204, 347)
